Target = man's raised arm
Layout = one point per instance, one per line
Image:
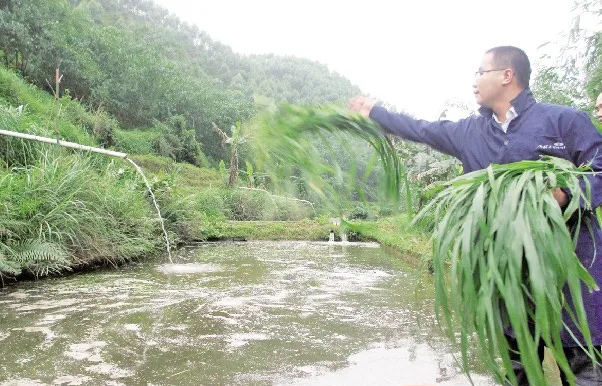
(444, 136)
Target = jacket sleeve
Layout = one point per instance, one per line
(444, 136)
(584, 144)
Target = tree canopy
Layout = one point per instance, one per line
(143, 65)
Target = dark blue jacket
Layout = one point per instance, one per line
(539, 129)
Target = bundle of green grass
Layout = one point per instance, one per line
(307, 142)
(502, 254)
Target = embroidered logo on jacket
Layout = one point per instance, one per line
(554, 146)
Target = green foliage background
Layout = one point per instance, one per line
(144, 66)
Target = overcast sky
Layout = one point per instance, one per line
(416, 55)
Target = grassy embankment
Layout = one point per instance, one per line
(219, 214)
(62, 210)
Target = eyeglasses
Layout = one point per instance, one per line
(481, 72)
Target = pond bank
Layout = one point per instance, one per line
(395, 233)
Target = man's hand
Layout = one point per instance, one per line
(560, 196)
(362, 105)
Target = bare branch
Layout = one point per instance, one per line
(53, 92)
(223, 135)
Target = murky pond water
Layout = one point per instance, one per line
(260, 313)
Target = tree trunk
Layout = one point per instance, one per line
(23, 67)
(5, 55)
(233, 167)
(57, 80)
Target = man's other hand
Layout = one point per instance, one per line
(560, 197)
(362, 105)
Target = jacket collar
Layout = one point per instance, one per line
(521, 103)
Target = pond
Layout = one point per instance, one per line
(248, 313)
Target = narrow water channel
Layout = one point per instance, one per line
(255, 313)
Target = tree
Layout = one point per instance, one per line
(235, 142)
(574, 78)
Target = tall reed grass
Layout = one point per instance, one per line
(67, 210)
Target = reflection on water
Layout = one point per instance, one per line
(258, 313)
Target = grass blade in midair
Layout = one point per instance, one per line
(284, 142)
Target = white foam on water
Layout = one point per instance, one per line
(45, 305)
(78, 356)
(51, 319)
(23, 382)
(179, 327)
(49, 335)
(18, 295)
(113, 371)
(4, 335)
(112, 305)
(320, 297)
(380, 365)
(234, 302)
(241, 339)
(71, 380)
(86, 351)
(187, 269)
(238, 343)
(117, 383)
(128, 281)
(131, 327)
(359, 244)
(210, 336)
(224, 319)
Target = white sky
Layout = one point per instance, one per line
(416, 55)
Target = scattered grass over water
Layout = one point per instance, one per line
(308, 142)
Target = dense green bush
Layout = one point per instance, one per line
(211, 203)
(385, 211)
(136, 141)
(82, 207)
(173, 140)
(178, 142)
(284, 209)
(245, 205)
(99, 124)
(358, 213)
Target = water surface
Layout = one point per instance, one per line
(255, 313)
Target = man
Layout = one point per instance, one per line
(598, 108)
(512, 127)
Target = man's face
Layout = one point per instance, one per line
(598, 109)
(487, 84)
